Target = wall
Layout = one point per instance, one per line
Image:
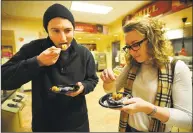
(27, 29)
(101, 44)
(115, 28)
(177, 44)
(116, 33)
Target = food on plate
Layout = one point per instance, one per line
(55, 89)
(116, 99)
(64, 89)
(117, 96)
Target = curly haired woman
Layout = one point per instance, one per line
(161, 99)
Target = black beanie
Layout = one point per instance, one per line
(57, 10)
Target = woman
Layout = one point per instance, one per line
(158, 102)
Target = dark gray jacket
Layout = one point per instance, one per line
(52, 112)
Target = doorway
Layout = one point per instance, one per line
(115, 53)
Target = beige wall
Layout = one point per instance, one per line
(27, 29)
(115, 28)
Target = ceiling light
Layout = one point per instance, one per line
(79, 38)
(91, 8)
(174, 34)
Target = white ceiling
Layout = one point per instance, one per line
(36, 9)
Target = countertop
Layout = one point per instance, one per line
(5, 94)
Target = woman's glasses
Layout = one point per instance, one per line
(135, 46)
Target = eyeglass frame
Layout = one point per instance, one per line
(135, 44)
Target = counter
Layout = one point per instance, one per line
(6, 94)
(12, 104)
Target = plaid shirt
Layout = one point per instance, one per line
(163, 96)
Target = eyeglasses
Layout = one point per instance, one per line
(134, 47)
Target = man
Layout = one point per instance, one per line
(45, 63)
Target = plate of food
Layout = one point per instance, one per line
(63, 89)
(114, 100)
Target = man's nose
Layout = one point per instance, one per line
(63, 37)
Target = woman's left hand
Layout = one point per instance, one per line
(137, 105)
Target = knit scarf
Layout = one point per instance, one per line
(163, 96)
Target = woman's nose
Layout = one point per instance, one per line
(132, 52)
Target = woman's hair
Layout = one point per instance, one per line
(159, 46)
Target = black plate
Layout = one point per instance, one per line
(103, 100)
(66, 88)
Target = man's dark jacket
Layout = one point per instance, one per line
(50, 111)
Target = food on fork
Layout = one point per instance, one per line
(64, 47)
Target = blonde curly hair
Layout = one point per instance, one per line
(159, 46)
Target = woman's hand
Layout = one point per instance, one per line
(137, 105)
(107, 76)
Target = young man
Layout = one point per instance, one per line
(47, 64)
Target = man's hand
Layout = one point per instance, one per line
(49, 56)
(80, 90)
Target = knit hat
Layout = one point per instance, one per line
(57, 10)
